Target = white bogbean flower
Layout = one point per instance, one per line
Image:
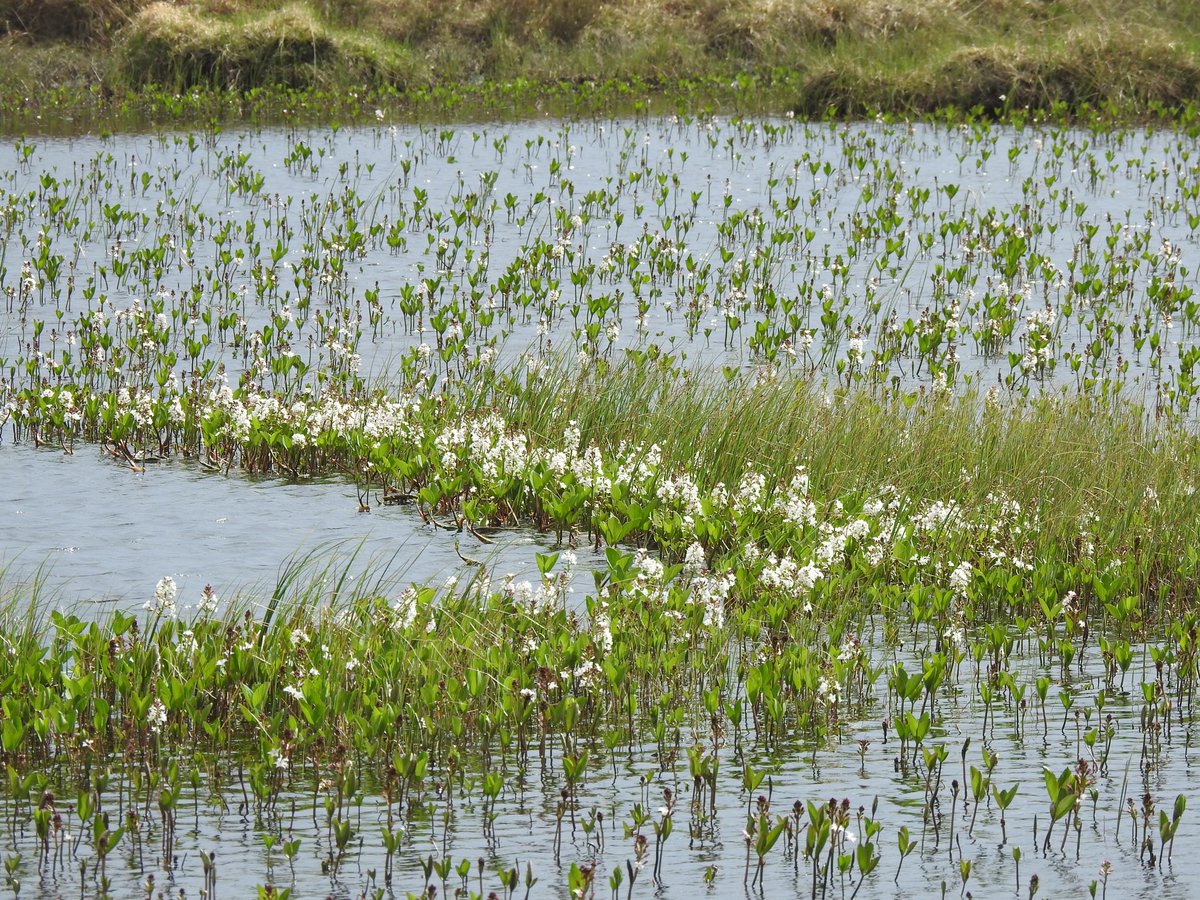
(164, 597)
(156, 717)
(208, 601)
(960, 578)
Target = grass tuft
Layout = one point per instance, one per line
(290, 47)
(1069, 459)
(93, 21)
(1093, 65)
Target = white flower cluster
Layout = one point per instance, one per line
(550, 595)
(156, 716)
(837, 539)
(796, 506)
(711, 591)
(960, 578)
(602, 629)
(784, 574)
(694, 561)
(750, 493)
(406, 609)
(682, 493)
(164, 598)
(237, 423)
(208, 601)
(937, 516)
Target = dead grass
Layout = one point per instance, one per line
(850, 55)
(1133, 67)
(66, 20)
(178, 46)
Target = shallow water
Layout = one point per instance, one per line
(872, 219)
(450, 823)
(92, 535)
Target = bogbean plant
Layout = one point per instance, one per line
(828, 540)
(237, 335)
(776, 622)
(813, 249)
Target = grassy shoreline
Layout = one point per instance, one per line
(123, 63)
(633, 454)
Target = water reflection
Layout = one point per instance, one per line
(103, 535)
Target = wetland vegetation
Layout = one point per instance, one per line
(855, 462)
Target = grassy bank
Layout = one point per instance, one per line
(124, 59)
(1074, 489)
(1074, 465)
